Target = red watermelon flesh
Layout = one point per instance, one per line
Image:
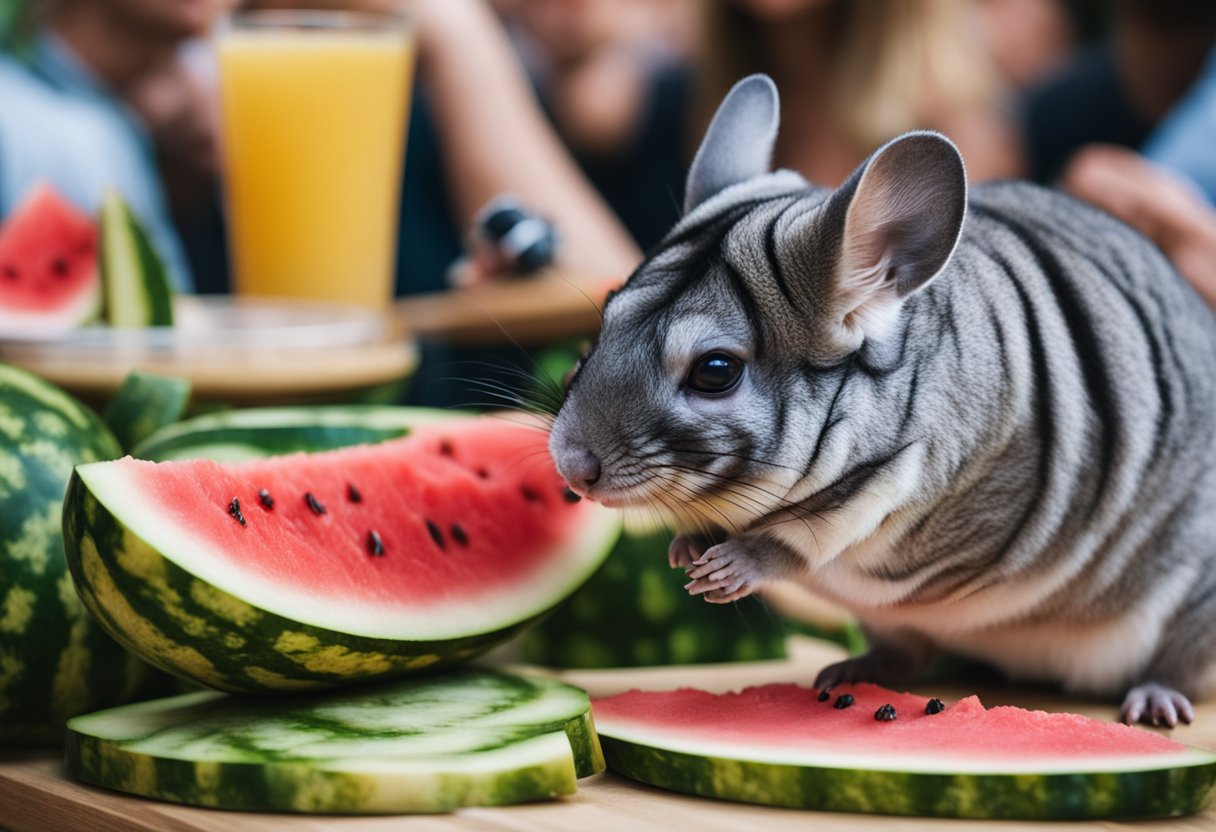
(49, 281)
(461, 519)
(786, 723)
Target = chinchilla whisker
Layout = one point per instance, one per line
(691, 496)
(794, 511)
(537, 386)
(582, 292)
(734, 455)
(514, 417)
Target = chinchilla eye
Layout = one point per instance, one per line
(715, 372)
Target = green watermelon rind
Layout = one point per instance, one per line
(203, 633)
(535, 746)
(144, 404)
(1186, 787)
(134, 281)
(55, 662)
(635, 613)
(271, 431)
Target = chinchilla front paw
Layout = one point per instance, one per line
(724, 573)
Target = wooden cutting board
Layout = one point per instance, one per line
(36, 797)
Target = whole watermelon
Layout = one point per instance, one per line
(54, 661)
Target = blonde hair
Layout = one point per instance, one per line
(898, 63)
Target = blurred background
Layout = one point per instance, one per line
(1112, 99)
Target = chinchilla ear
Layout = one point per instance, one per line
(904, 215)
(739, 141)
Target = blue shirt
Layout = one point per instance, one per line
(1185, 140)
(59, 124)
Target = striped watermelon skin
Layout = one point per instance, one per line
(201, 633)
(259, 432)
(483, 738)
(636, 613)
(1141, 794)
(55, 662)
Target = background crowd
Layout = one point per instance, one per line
(589, 110)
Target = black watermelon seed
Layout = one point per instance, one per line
(234, 508)
(353, 494)
(482, 473)
(843, 701)
(375, 546)
(569, 496)
(529, 494)
(316, 507)
(436, 534)
(935, 706)
(824, 695)
(458, 534)
(885, 714)
(265, 499)
(59, 267)
(445, 448)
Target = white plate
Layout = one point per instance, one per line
(234, 350)
(211, 324)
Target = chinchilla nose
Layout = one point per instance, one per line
(580, 467)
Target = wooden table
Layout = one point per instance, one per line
(524, 311)
(36, 797)
(527, 311)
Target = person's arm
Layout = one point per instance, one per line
(495, 138)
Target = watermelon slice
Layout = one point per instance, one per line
(48, 267)
(135, 281)
(307, 571)
(469, 738)
(785, 745)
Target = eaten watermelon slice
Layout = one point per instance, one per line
(48, 267)
(313, 570)
(862, 748)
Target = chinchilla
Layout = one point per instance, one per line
(983, 421)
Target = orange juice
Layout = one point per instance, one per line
(314, 116)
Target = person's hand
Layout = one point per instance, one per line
(1163, 206)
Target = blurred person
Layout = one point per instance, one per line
(1027, 39)
(63, 118)
(1184, 141)
(855, 73)
(594, 59)
(852, 74)
(1117, 92)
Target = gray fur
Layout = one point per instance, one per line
(1018, 465)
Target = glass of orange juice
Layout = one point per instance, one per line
(314, 106)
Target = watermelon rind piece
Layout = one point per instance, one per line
(928, 784)
(139, 578)
(55, 661)
(253, 433)
(467, 738)
(143, 404)
(134, 280)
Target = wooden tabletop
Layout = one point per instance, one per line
(36, 797)
(525, 310)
